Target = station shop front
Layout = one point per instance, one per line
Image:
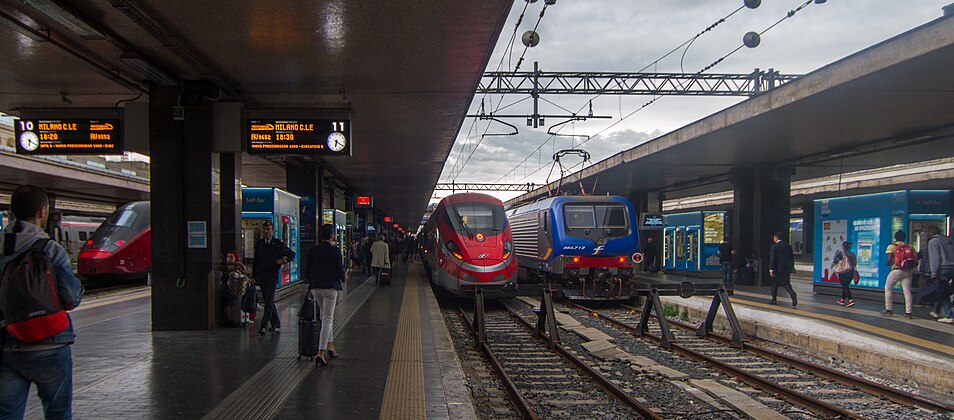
(869, 222)
(282, 209)
(691, 242)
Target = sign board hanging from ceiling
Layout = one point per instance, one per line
(298, 136)
(48, 136)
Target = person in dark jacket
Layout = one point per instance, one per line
(270, 255)
(781, 267)
(650, 253)
(725, 260)
(48, 363)
(325, 278)
(845, 278)
(738, 264)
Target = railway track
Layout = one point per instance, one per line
(546, 382)
(824, 392)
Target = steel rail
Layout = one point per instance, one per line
(873, 388)
(601, 380)
(516, 397)
(812, 404)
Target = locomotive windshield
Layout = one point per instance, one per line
(120, 227)
(600, 216)
(472, 217)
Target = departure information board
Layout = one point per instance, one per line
(69, 137)
(304, 136)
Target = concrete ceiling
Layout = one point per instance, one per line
(406, 69)
(890, 104)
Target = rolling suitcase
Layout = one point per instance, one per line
(309, 327)
(386, 276)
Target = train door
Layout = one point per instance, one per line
(680, 248)
(693, 253)
(669, 245)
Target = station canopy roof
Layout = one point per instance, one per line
(892, 103)
(407, 70)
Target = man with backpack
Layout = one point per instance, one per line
(37, 331)
(903, 261)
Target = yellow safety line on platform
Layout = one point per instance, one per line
(894, 335)
(404, 394)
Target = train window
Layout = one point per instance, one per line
(83, 236)
(611, 217)
(579, 217)
(478, 217)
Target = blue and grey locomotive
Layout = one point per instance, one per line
(587, 244)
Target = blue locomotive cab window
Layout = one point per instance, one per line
(579, 217)
(611, 217)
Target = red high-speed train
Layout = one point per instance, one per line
(121, 247)
(468, 244)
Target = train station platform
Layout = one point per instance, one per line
(395, 360)
(918, 350)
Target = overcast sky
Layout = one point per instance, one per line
(627, 35)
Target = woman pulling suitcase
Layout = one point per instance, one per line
(325, 278)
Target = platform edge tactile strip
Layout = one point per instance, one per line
(283, 374)
(404, 392)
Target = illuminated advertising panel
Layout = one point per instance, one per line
(364, 201)
(299, 136)
(69, 137)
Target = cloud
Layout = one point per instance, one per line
(626, 36)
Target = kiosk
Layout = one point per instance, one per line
(339, 220)
(281, 207)
(691, 242)
(869, 222)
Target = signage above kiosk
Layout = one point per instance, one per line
(299, 136)
(69, 136)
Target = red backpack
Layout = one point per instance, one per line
(905, 257)
(28, 300)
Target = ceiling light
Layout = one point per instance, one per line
(38, 35)
(147, 70)
(60, 15)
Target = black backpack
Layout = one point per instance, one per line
(28, 299)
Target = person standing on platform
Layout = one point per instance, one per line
(781, 267)
(367, 244)
(844, 265)
(270, 255)
(325, 278)
(47, 362)
(904, 275)
(650, 253)
(941, 257)
(380, 258)
(725, 259)
(738, 264)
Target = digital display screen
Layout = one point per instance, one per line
(68, 137)
(305, 136)
(364, 201)
(652, 221)
(387, 219)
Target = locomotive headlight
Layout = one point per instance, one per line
(454, 250)
(507, 249)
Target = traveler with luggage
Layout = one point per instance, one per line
(844, 265)
(325, 278)
(270, 255)
(36, 290)
(234, 282)
(380, 258)
(903, 261)
(650, 254)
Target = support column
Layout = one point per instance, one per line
(761, 207)
(304, 180)
(230, 165)
(808, 232)
(186, 182)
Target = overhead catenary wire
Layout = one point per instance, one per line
(788, 15)
(653, 63)
(513, 36)
(515, 69)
